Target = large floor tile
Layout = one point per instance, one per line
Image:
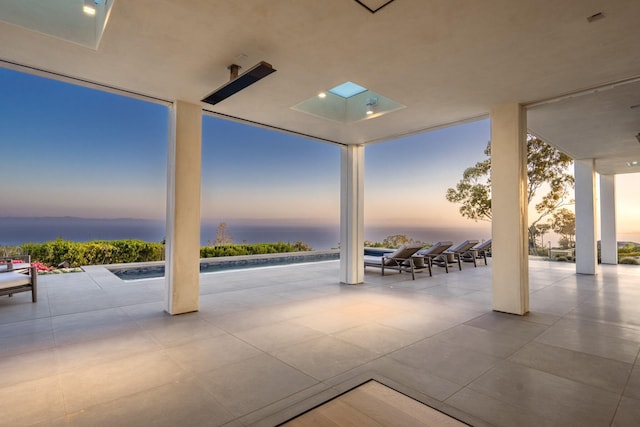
(254, 383)
(378, 338)
(453, 362)
(176, 330)
(588, 369)
(31, 402)
(27, 337)
(210, 353)
(245, 319)
(278, 335)
(20, 307)
(183, 402)
(495, 412)
(324, 357)
(90, 325)
(593, 326)
(628, 413)
(28, 366)
(116, 379)
(88, 353)
(329, 324)
(522, 326)
(559, 400)
(498, 344)
(418, 323)
(585, 341)
(633, 386)
(414, 378)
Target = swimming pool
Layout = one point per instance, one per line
(210, 265)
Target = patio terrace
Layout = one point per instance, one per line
(269, 343)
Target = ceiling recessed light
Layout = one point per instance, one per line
(633, 164)
(322, 95)
(371, 103)
(89, 7)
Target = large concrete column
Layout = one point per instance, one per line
(586, 249)
(184, 158)
(509, 229)
(352, 214)
(608, 240)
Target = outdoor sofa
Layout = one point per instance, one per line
(18, 276)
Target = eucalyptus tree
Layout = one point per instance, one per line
(547, 169)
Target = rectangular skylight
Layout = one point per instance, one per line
(347, 90)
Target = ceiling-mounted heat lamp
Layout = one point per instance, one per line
(239, 82)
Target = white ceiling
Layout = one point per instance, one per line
(447, 61)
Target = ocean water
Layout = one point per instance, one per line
(15, 231)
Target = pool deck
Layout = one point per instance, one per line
(270, 343)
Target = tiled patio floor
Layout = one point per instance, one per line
(268, 344)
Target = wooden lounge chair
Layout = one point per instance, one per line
(401, 259)
(18, 277)
(461, 250)
(435, 253)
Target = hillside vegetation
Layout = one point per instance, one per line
(76, 254)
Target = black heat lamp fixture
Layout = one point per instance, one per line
(239, 82)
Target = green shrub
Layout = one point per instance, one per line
(95, 252)
(55, 252)
(629, 260)
(252, 249)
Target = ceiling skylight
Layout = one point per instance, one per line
(347, 103)
(78, 21)
(347, 89)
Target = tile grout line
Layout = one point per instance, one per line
(624, 389)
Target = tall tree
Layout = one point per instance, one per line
(541, 230)
(564, 223)
(545, 166)
(223, 235)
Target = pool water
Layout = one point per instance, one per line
(211, 265)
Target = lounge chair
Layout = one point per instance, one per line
(461, 250)
(479, 251)
(18, 277)
(435, 253)
(401, 259)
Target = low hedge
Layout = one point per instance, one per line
(252, 249)
(94, 252)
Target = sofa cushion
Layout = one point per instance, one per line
(12, 279)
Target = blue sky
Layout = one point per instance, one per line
(81, 152)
